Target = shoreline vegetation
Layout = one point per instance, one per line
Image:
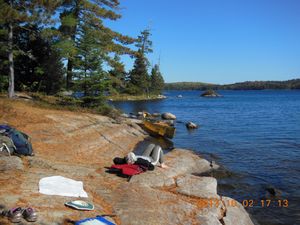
(126, 97)
(247, 85)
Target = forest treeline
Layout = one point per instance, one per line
(248, 85)
(56, 45)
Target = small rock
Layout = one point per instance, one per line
(22, 95)
(272, 192)
(168, 116)
(191, 125)
(133, 116)
(156, 115)
(161, 96)
(125, 115)
(66, 93)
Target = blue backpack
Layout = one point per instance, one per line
(20, 140)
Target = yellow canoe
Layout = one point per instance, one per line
(160, 128)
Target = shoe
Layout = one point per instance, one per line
(15, 215)
(30, 214)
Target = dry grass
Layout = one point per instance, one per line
(43, 101)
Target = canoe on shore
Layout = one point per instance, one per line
(160, 128)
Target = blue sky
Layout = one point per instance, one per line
(218, 41)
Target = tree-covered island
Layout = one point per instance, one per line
(247, 85)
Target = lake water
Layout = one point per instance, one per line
(255, 135)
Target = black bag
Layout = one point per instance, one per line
(119, 161)
(144, 163)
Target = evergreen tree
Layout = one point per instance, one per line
(117, 75)
(18, 14)
(139, 81)
(139, 78)
(144, 43)
(40, 68)
(157, 80)
(89, 62)
(80, 13)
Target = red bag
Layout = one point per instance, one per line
(129, 169)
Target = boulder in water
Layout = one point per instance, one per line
(168, 116)
(210, 93)
(191, 125)
(272, 192)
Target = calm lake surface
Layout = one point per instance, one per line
(255, 135)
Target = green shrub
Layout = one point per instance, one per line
(68, 101)
(92, 101)
(107, 110)
(132, 90)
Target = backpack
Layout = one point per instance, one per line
(4, 127)
(7, 146)
(20, 140)
(144, 163)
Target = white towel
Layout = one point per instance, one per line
(58, 185)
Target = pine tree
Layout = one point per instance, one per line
(157, 80)
(117, 75)
(18, 14)
(88, 60)
(40, 69)
(144, 43)
(139, 78)
(80, 13)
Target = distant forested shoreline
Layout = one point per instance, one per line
(247, 85)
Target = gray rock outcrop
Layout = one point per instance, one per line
(10, 163)
(202, 187)
(235, 213)
(180, 162)
(81, 146)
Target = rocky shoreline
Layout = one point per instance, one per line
(135, 97)
(80, 146)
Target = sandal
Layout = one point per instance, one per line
(14, 215)
(30, 214)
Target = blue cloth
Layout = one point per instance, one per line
(96, 220)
